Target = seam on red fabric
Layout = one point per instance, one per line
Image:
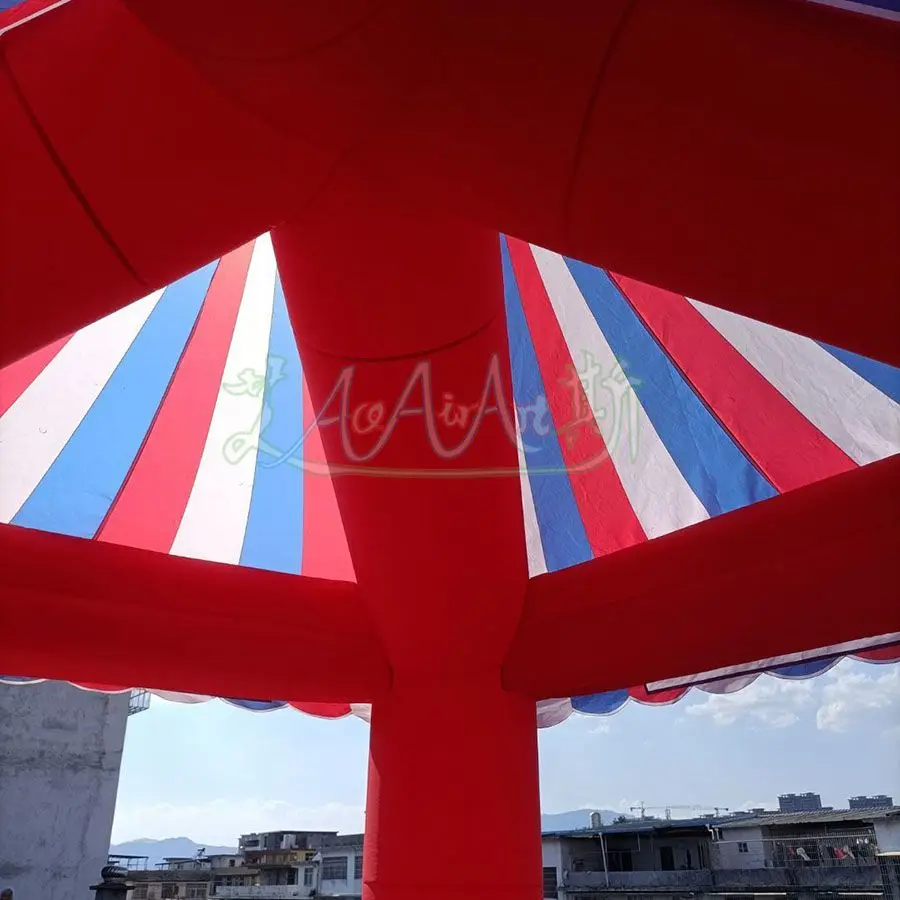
(413, 354)
(67, 176)
(600, 77)
(351, 29)
(277, 128)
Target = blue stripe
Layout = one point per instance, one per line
(563, 536)
(256, 705)
(274, 536)
(721, 476)
(880, 375)
(78, 490)
(890, 5)
(600, 704)
(805, 669)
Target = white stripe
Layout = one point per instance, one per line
(553, 712)
(36, 428)
(537, 564)
(863, 9)
(179, 697)
(215, 518)
(659, 494)
(362, 711)
(860, 419)
(728, 685)
(35, 15)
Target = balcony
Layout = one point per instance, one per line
(261, 892)
(826, 878)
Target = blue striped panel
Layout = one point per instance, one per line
(880, 375)
(256, 705)
(563, 536)
(860, 5)
(805, 669)
(78, 490)
(717, 470)
(274, 536)
(600, 704)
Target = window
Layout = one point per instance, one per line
(140, 892)
(551, 888)
(666, 859)
(196, 892)
(620, 861)
(334, 868)
(357, 868)
(307, 877)
(742, 847)
(231, 863)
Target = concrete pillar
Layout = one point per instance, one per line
(60, 752)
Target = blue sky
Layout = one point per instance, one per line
(212, 771)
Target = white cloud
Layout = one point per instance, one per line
(755, 804)
(772, 701)
(849, 693)
(222, 821)
(852, 692)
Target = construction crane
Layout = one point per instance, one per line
(642, 808)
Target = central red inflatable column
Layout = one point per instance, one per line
(453, 803)
(400, 322)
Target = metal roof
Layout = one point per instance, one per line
(822, 816)
(740, 820)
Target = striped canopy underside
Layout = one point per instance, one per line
(182, 424)
(882, 9)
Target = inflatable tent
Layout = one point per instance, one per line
(448, 465)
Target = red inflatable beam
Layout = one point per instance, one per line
(743, 153)
(807, 569)
(88, 611)
(401, 320)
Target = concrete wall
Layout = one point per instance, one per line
(331, 888)
(887, 835)
(60, 752)
(726, 854)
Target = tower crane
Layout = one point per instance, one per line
(642, 808)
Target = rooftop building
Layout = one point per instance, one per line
(875, 801)
(807, 802)
(802, 854)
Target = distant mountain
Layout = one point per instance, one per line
(158, 850)
(182, 846)
(575, 819)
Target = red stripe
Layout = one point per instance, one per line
(642, 695)
(781, 441)
(152, 501)
(609, 519)
(324, 710)
(325, 550)
(99, 688)
(17, 376)
(888, 654)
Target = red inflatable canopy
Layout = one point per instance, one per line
(741, 153)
